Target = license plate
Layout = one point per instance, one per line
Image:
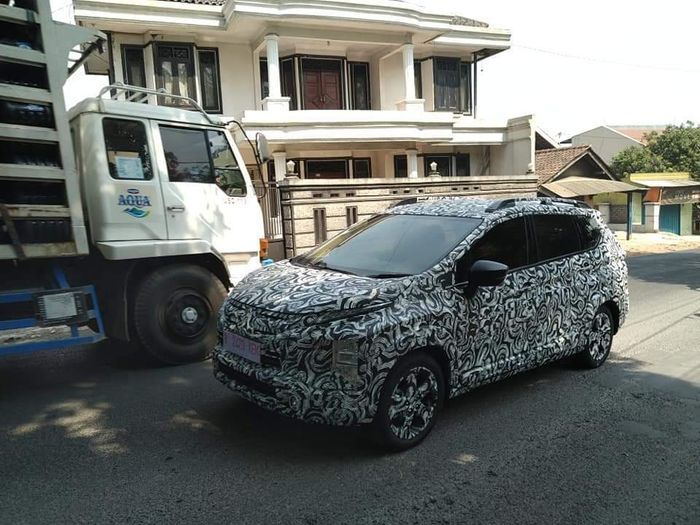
(241, 346)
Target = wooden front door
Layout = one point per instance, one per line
(322, 84)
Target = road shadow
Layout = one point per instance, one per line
(667, 268)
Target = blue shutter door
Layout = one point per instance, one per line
(670, 218)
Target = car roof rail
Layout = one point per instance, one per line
(509, 203)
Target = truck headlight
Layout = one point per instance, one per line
(345, 359)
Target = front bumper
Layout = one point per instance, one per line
(308, 396)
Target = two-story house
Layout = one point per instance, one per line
(346, 89)
(349, 88)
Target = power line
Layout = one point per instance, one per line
(604, 61)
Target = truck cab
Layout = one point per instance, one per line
(160, 181)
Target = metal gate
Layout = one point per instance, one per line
(670, 218)
(271, 211)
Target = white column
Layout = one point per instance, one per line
(412, 163)
(273, 65)
(274, 101)
(280, 158)
(409, 103)
(652, 212)
(409, 73)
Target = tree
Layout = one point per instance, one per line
(676, 149)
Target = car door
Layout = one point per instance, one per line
(206, 195)
(499, 319)
(556, 242)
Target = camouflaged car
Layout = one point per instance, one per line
(384, 322)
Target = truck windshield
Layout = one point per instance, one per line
(388, 246)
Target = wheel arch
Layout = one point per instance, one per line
(141, 268)
(441, 356)
(615, 311)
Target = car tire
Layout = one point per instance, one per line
(600, 339)
(175, 311)
(404, 417)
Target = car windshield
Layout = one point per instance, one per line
(388, 246)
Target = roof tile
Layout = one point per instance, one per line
(550, 162)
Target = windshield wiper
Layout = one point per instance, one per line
(323, 265)
(387, 275)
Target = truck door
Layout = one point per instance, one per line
(206, 192)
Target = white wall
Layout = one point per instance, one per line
(517, 155)
(391, 75)
(604, 141)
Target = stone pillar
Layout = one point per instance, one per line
(274, 101)
(652, 210)
(412, 163)
(410, 102)
(280, 159)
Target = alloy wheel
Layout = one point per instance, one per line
(413, 402)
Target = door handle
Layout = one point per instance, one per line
(176, 208)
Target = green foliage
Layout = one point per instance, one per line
(676, 149)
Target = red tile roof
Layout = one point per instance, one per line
(638, 133)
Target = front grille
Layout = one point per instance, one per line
(246, 380)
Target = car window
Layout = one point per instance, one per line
(391, 245)
(505, 243)
(556, 236)
(187, 155)
(589, 230)
(127, 149)
(227, 172)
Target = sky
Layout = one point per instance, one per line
(574, 65)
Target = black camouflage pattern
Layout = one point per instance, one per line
(295, 313)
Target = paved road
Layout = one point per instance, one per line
(85, 440)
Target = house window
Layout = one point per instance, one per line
(209, 79)
(289, 81)
(362, 168)
(452, 85)
(134, 66)
(465, 87)
(326, 169)
(175, 72)
(462, 165)
(264, 80)
(444, 164)
(287, 78)
(359, 85)
(418, 77)
(400, 166)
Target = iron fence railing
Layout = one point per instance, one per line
(272, 211)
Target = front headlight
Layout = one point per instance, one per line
(337, 315)
(345, 359)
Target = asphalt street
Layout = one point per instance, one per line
(86, 438)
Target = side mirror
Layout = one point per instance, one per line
(487, 273)
(262, 147)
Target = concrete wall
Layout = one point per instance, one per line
(605, 142)
(300, 198)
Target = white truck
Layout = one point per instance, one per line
(121, 218)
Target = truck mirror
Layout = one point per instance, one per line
(263, 147)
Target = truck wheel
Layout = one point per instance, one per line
(174, 313)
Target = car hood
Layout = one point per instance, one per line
(287, 288)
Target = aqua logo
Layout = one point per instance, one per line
(134, 203)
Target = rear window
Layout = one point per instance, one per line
(556, 236)
(589, 230)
